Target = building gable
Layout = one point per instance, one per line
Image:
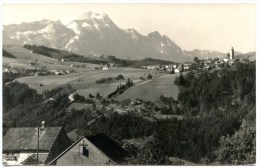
(82, 152)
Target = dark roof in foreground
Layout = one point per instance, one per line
(108, 146)
(25, 138)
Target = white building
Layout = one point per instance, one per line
(177, 71)
(105, 67)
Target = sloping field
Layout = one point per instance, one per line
(24, 57)
(15, 63)
(21, 53)
(152, 89)
(53, 81)
(102, 89)
(83, 82)
(86, 86)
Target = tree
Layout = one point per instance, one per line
(91, 96)
(98, 96)
(239, 148)
(196, 60)
(119, 77)
(31, 160)
(228, 55)
(149, 76)
(149, 154)
(180, 81)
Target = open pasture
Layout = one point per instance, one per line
(84, 82)
(152, 89)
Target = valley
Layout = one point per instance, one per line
(158, 103)
(84, 79)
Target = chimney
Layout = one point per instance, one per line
(43, 125)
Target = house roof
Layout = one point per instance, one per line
(108, 147)
(25, 138)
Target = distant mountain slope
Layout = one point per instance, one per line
(94, 34)
(251, 56)
(203, 54)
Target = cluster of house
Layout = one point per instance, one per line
(176, 68)
(52, 146)
(105, 67)
(61, 72)
(207, 64)
(36, 71)
(216, 63)
(27, 72)
(7, 68)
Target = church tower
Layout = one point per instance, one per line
(232, 54)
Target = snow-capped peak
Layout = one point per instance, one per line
(90, 15)
(47, 29)
(73, 26)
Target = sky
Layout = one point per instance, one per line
(215, 27)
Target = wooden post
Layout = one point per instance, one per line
(38, 134)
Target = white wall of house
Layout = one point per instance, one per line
(20, 157)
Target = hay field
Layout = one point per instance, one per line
(152, 89)
(83, 82)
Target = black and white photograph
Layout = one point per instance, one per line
(129, 84)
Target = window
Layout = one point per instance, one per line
(85, 151)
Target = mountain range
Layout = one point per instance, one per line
(95, 34)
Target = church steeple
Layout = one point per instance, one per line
(232, 53)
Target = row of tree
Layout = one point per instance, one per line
(121, 88)
(110, 79)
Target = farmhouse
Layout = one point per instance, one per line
(105, 67)
(153, 67)
(186, 67)
(97, 150)
(177, 71)
(21, 142)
